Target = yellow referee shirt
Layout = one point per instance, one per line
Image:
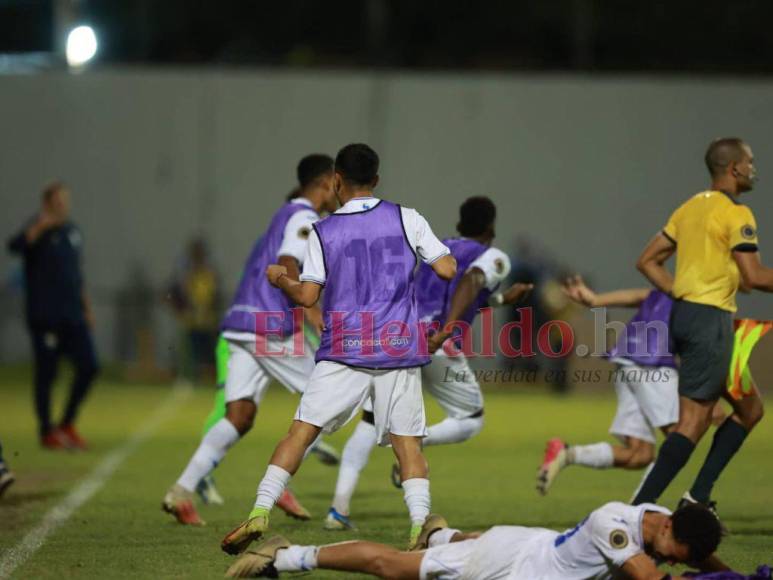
(706, 229)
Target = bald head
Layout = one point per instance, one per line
(724, 152)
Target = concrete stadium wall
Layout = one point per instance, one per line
(592, 166)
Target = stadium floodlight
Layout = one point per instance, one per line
(81, 45)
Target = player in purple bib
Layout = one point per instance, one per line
(260, 321)
(369, 286)
(449, 379)
(646, 383)
(372, 347)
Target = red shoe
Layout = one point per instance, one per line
(73, 437)
(553, 462)
(179, 503)
(55, 440)
(290, 505)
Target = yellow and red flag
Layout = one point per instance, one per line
(747, 333)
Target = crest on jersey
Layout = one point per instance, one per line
(618, 539)
(748, 232)
(499, 264)
(304, 232)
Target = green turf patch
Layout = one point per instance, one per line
(122, 533)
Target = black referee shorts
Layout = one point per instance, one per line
(703, 339)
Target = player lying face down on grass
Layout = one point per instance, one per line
(364, 255)
(616, 539)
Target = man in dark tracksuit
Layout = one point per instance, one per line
(58, 312)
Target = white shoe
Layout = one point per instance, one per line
(208, 492)
(326, 453)
(6, 479)
(338, 522)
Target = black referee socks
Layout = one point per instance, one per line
(672, 457)
(727, 441)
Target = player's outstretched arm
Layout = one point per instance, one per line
(642, 567)
(468, 288)
(754, 274)
(575, 288)
(514, 294)
(303, 293)
(445, 267)
(651, 262)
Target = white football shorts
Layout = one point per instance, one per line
(250, 374)
(502, 552)
(336, 392)
(451, 381)
(647, 399)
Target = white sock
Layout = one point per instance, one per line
(296, 559)
(353, 460)
(213, 447)
(643, 478)
(417, 499)
(598, 455)
(443, 536)
(271, 487)
(453, 430)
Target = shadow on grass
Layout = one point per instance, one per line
(14, 499)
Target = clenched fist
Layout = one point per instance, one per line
(274, 272)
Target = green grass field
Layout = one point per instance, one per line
(122, 533)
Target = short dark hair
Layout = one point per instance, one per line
(312, 167)
(722, 152)
(698, 528)
(476, 215)
(358, 164)
(51, 189)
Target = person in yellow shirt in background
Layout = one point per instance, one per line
(714, 238)
(195, 298)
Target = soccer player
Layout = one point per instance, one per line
(646, 385)
(206, 489)
(249, 373)
(714, 238)
(449, 379)
(364, 255)
(616, 540)
(59, 315)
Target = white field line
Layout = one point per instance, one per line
(91, 484)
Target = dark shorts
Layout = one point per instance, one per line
(703, 338)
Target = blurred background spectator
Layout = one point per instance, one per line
(195, 297)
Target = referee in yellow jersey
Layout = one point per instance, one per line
(714, 237)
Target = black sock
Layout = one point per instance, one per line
(727, 441)
(673, 455)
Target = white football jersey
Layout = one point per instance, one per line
(595, 549)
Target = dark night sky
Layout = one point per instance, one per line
(594, 35)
